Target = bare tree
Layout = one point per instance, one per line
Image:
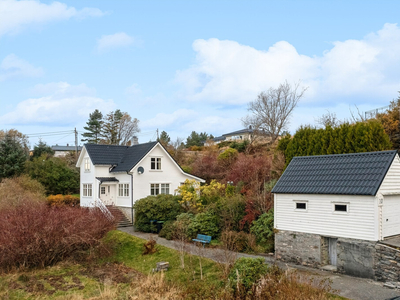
(127, 129)
(271, 110)
(328, 119)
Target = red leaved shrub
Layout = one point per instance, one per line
(206, 166)
(38, 235)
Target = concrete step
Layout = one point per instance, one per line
(122, 220)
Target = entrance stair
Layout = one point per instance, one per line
(122, 220)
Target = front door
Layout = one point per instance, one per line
(332, 251)
(106, 195)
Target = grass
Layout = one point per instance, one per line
(126, 274)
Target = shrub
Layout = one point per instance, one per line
(168, 230)
(59, 200)
(246, 272)
(161, 208)
(187, 169)
(190, 195)
(205, 223)
(227, 157)
(231, 209)
(240, 147)
(263, 229)
(240, 241)
(38, 235)
(20, 190)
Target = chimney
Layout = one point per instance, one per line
(67, 145)
(134, 140)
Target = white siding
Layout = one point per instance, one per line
(391, 183)
(391, 215)
(319, 218)
(169, 173)
(87, 177)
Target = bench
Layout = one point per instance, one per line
(202, 238)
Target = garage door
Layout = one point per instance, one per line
(391, 216)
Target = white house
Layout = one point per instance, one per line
(339, 210)
(120, 175)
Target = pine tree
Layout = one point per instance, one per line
(40, 149)
(12, 157)
(110, 128)
(164, 138)
(93, 128)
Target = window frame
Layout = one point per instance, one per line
(155, 164)
(160, 188)
(87, 190)
(87, 164)
(300, 202)
(102, 188)
(340, 203)
(123, 190)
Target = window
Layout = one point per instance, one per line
(103, 190)
(87, 164)
(301, 205)
(341, 207)
(155, 163)
(155, 188)
(123, 190)
(87, 190)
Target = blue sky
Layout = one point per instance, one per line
(190, 65)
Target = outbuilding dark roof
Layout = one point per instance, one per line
(344, 174)
(124, 158)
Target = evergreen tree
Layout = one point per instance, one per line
(93, 128)
(346, 138)
(164, 138)
(40, 149)
(110, 129)
(12, 157)
(197, 139)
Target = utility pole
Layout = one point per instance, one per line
(158, 138)
(76, 143)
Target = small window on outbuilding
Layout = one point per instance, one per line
(301, 205)
(341, 207)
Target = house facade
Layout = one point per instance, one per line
(339, 211)
(120, 175)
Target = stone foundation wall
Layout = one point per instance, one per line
(298, 247)
(387, 263)
(356, 257)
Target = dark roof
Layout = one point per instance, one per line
(65, 148)
(107, 179)
(219, 138)
(246, 130)
(344, 174)
(124, 158)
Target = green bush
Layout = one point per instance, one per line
(250, 270)
(228, 155)
(241, 147)
(207, 223)
(263, 229)
(168, 230)
(231, 210)
(161, 208)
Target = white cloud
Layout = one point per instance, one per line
(65, 104)
(18, 15)
(163, 120)
(230, 73)
(133, 90)
(113, 41)
(14, 67)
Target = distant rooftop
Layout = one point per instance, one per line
(65, 148)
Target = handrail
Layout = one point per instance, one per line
(99, 204)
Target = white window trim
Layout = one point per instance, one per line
(85, 190)
(160, 188)
(87, 165)
(300, 209)
(340, 203)
(125, 189)
(156, 164)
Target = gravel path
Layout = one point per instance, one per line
(346, 286)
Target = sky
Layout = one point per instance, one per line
(184, 66)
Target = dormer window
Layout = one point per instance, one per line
(155, 163)
(87, 164)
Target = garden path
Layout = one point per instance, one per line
(346, 286)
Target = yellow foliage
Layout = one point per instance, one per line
(190, 192)
(213, 189)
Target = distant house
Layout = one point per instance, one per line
(245, 134)
(342, 212)
(120, 175)
(63, 150)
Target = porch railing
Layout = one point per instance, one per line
(99, 204)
